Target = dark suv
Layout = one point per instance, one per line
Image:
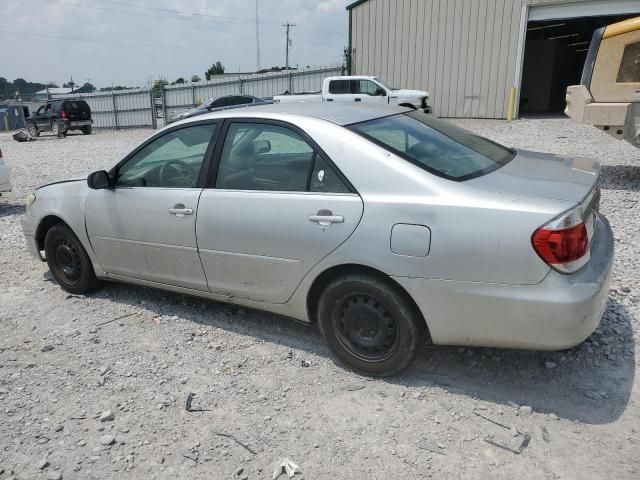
(60, 116)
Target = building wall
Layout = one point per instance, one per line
(464, 52)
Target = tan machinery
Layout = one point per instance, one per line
(608, 96)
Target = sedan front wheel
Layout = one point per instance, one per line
(370, 324)
(68, 260)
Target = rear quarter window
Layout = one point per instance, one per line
(435, 145)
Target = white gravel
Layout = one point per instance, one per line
(273, 385)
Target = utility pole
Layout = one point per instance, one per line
(257, 39)
(287, 46)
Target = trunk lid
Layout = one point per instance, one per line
(543, 175)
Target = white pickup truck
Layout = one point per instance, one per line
(363, 89)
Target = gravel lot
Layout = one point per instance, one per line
(273, 386)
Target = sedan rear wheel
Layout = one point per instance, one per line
(370, 325)
(68, 260)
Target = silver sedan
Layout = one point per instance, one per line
(388, 227)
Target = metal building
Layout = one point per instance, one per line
(469, 54)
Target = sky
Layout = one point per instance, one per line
(126, 42)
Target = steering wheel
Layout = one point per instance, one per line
(173, 169)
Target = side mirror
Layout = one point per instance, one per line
(261, 146)
(380, 92)
(98, 180)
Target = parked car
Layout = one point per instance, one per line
(219, 103)
(5, 176)
(360, 89)
(387, 226)
(59, 117)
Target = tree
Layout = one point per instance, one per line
(87, 87)
(158, 85)
(215, 69)
(195, 78)
(178, 81)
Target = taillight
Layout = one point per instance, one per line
(63, 114)
(563, 243)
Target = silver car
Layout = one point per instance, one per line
(5, 176)
(387, 226)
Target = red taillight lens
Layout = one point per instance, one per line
(63, 114)
(564, 242)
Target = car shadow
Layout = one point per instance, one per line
(9, 208)
(591, 382)
(620, 177)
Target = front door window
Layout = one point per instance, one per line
(173, 160)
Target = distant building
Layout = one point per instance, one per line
(469, 53)
(44, 95)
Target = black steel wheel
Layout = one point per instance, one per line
(68, 260)
(365, 327)
(370, 324)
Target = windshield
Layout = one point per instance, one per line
(384, 84)
(435, 145)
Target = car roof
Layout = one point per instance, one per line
(339, 113)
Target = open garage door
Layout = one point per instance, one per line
(556, 45)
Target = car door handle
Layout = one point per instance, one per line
(326, 219)
(180, 210)
(357, 99)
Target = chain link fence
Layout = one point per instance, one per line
(142, 107)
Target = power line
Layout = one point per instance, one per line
(180, 12)
(110, 42)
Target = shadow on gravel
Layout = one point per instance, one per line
(8, 209)
(591, 383)
(620, 177)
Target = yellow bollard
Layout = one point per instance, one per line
(512, 104)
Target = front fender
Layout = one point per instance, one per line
(66, 201)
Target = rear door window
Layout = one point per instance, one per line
(435, 145)
(339, 87)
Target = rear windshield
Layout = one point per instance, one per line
(75, 106)
(435, 145)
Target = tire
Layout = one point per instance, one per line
(68, 260)
(57, 130)
(33, 130)
(370, 325)
(86, 130)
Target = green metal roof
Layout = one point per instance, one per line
(355, 4)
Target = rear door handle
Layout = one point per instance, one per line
(326, 219)
(357, 100)
(179, 210)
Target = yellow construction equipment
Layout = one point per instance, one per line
(608, 96)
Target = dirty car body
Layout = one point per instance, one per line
(387, 226)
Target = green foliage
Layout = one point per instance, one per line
(215, 69)
(195, 78)
(26, 89)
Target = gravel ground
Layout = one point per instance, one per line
(95, 387)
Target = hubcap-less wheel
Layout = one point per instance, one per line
(366, 328)
(68, 264)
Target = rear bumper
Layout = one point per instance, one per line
(557, 313)
(5, 178)
(77, 124)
